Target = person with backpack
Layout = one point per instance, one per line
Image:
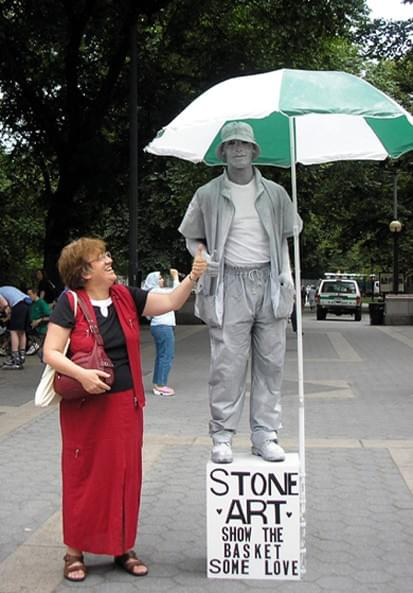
(16, 305)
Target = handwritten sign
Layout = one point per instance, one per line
(253, 519)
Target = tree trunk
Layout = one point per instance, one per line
(60, 224)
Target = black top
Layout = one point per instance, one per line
(111, 331)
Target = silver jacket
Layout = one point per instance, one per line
(208, 219)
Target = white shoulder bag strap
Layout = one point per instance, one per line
(45, 394)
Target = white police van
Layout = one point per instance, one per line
(338, 294)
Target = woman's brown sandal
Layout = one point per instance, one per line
(74, 564)
(129, 561)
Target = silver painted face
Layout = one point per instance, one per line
(238, 153)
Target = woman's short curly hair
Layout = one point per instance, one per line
(74, 260)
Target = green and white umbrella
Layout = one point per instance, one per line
(337, 117)
(298, 116)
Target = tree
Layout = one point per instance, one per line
(226, 39)
(21, 220)
(62, 72)
(64, 82)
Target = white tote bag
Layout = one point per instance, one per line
(45, 394)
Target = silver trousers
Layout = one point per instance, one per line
(249, 330)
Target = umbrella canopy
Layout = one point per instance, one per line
(337, 116)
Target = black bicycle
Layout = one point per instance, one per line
(33, 345)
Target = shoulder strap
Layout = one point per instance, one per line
(74, 296)
(94, 329)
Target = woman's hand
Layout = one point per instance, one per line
(157, 303)
(53, 354)
(91, 380)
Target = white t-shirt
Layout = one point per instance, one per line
(165, 318)
(247, 242)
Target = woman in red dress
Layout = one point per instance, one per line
(102, 434)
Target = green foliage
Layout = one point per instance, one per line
(228, 39)
(386, 39)
(61, 71)
(64, 75)
(21, 221)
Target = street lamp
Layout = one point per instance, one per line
(395, 227)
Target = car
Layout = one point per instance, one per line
(339, 296)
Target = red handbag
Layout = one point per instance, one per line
(69, 388)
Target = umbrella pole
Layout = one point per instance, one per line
(297, 274)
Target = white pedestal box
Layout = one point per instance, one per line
(253, 519)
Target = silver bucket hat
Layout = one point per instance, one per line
(237, 130)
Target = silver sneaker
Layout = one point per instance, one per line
(222, 453)
(269, 450)
(12, 365)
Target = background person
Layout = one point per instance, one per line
(102, 434)
(163, 333)
(40, 315)
(312, 291)
(246, 296)
(303, 295)
(16, 305)
(47, 290)
(293, 317)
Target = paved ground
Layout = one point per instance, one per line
(359, 453)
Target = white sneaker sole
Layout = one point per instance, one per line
(222, 457)
(222, 460)
(280, 457)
